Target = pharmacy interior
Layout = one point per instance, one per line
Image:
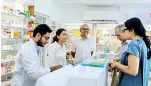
(20, 17)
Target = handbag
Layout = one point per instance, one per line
(114, 81)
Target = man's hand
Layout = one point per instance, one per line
(55, 67)
(73, 54)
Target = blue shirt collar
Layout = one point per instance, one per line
(36, 46)
(37, 49)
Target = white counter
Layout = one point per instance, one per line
(87, 76)
(75, 76)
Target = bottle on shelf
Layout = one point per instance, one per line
(106, 49)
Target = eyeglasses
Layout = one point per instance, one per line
(47, 38)
(124, 30)
(117, 35)
(85, 28)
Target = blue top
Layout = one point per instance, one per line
(37, 49)
(139, 49)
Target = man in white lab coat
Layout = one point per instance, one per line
(27, 64)
(82, 47)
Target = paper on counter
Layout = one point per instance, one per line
(97, 63)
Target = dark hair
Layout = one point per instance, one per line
(42, 29)
(136, 25)
(58, 32)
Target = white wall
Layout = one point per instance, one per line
(43, 6)
(142, 12)
(29, 2)
(49, 8)
(72, 14)
(78, 14)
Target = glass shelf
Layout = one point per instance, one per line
(8, 61)
(9, 50)
(12, 15)
(25, 28)
(12, 27)
(7, 73)
(21, 17)
(15, 38)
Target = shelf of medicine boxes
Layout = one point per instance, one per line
(9, 33)
(18, 27)
(69, 41)
(72, 34)
(7, 68)
(6, 73)
(9, 50)
(107, 39)
(7, 24)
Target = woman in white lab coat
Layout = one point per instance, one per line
(56, 53)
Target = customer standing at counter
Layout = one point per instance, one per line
(56, 53)
(120, 35)
(81, 47)
(27, 64)
(135, 62)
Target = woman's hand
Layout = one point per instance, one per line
(114, 65)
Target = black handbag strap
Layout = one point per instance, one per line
(142, 68)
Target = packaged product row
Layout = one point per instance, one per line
(10, 10)
(17, 25)
(14, 46)
(7, 67)
(15, 33)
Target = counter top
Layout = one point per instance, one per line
(75, 76)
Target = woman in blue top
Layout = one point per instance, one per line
(135, 65)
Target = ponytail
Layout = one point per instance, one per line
(147, 42)
(136, 24)
(55, 39)
(58, 32)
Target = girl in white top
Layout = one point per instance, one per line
(57, 50)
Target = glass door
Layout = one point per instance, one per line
(41, 19)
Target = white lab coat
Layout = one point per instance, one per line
(56, 55)
(27, 66)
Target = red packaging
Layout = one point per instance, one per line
(2, 69)
(6, 67)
